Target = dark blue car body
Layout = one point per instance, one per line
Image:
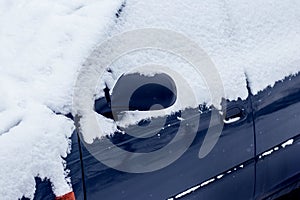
(256, 157)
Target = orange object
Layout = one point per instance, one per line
(68, 196)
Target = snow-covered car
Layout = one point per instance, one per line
(105, 100)
(256, 156)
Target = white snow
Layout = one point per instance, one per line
(229, 31)
(187, 191)
(256, 39)
(229, 121)
(287, 143)
(43, 44)
(220, 176)
(267, 153)
(260, 38)
(34, 148)
(203, 184)
(282, 146)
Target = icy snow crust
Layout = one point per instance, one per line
(44, 43)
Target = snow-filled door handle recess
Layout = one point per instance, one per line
(234, 114)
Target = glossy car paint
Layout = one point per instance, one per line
(235, 147)
(276, 116)
(277, 119)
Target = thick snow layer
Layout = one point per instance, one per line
(34, 148)
(258, 40)
(43, 44)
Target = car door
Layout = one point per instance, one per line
(277, 128)
(226, 172)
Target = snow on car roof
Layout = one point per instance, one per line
(44, 43)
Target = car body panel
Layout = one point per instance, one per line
(277, 120)
(264, 174)
(234, 147)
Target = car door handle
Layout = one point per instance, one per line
(234, 114)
